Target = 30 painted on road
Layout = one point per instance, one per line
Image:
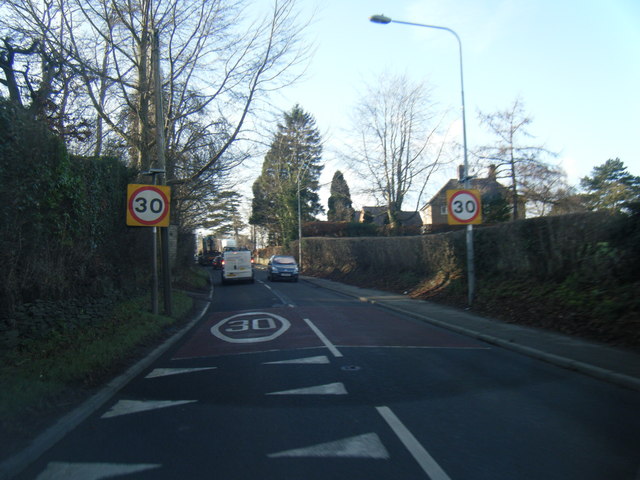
(251, 327)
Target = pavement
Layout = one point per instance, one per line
(616, 365)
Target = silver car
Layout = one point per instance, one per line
(282, 267)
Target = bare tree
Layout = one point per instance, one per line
(217, 67)
(543, 186)
(521, 164)
(36, 76)
(397, 145)
(214, 68)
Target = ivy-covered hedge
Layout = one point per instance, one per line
(62, 219)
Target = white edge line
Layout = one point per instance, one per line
(426, 461)
(332, 348)
(15, 464)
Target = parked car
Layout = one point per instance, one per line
(282, 267)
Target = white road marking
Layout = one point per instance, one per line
(329, 389)
(362, 446)
(336, 353)
(165, 372)
(426, 461)
(125, 407)
(320, 360)
(283, 298)
(91, 471)
(251, 327)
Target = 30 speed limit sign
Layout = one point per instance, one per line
(148, 205)
(463, 207)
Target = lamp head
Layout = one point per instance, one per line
(380, 19)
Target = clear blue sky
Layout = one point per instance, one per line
(574, 63)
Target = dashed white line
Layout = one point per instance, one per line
(285, 300)
(336, 353)
(426, 461)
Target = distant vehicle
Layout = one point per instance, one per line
(237, 265)
(206, 258)
(282, 267)
(217, 262)
(229, 244)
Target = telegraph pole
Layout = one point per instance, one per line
(164, 232)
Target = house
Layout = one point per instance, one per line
(378, 216)
(495, 197)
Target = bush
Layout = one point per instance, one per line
(62, 219)
(340, 229)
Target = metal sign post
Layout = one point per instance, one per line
(148, 206)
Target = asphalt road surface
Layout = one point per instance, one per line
(290, 381)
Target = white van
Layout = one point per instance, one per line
(237, 265)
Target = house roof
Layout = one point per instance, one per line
(410, 218)
(375, 210)
(485, 185)
(406, 218)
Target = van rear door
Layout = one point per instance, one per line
(237, 266)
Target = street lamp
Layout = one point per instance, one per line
(470, 261)
(299, 227)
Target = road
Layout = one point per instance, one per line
(291, 381)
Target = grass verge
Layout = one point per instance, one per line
(43, 378)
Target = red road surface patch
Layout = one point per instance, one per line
(229, 333)
(367, 326)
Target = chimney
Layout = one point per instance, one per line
(492, 172)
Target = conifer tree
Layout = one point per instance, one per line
(611, 187)
(340, 209)
(291, 169)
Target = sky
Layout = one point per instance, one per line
(575, 65)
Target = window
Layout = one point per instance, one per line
(443, 209)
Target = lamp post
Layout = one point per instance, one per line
(299, 227)
(466, 180)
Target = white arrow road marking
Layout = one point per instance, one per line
(164, 372)
(321, 360)
(91, 471)
(125, 407)
(329, 389)
(362, 446)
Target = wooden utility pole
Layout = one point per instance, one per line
(164, 232)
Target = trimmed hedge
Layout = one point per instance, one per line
(589, 249)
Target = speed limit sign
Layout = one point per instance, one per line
(463, 207)
(148, 205)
